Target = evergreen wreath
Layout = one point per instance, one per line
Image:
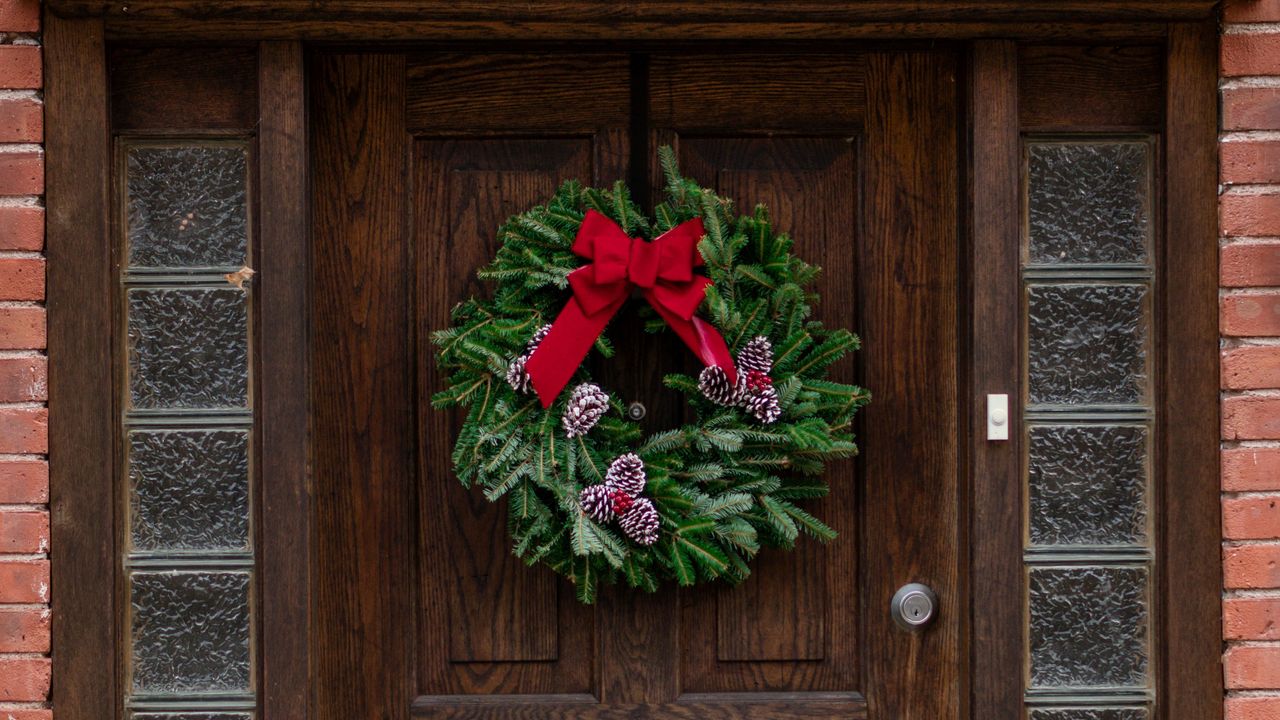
(590, 494)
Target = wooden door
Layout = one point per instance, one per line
(419, 608)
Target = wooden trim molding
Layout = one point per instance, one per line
(994, 223)
(1192, 532)
(284, 558)
(586, 20)
(81, 413)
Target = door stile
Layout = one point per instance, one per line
(283, 382)
(997, 505)
(1191, 678)
(362, 391)
(908, 264)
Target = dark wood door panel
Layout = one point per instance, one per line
(489, 624)
(793, 624)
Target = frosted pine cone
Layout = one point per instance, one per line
(756, 355)
(626, 473)
(596, 503)
(640, 523)
(537, 339)
(586, 406)
(763, 405)
(517, 376)
(715, 386)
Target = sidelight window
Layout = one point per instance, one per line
(187, 430)
(1087, 293)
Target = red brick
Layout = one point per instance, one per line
(21, 279)
(1249, 54)
(1251, 108)
(1246, 518)
(1243, 368)
(36, 714)
(1240, 11)
(24, 430)
(1253, 708)
(24, 679)
(22, 228)
(24, 481)
(1249, 162)
(21, 173)
(1249, 214)
(1250, 264)
(24, 531)
(1251, 618)
(1243, 469)
(1251, 418)
(20, 67)
(24, 581)
(24, 379)
(1252, 315)
(22, 328)
(21, 121)
(19, 15)
(24, 630)
(1252, 667)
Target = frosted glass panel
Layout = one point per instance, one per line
(189, 490)
(187, 207)
(188, 348)
(1089, 627)
(1089, 714)
(1088, 484)
(190, 632)
(1088, 202)
(1087, 344)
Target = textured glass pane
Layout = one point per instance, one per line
(195, 716)
(188, 348)
(1092, 713)
(189, 489)
(1088, 202)
(1088, 484)
(1088, 627)
(187, 206)
(1087, 344)
(190, 632)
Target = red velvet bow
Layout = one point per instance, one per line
(662, 269)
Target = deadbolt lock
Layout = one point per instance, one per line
(914, 606)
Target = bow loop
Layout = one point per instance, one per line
(663, 269)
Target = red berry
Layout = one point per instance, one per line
(757, 380)
(621, 501)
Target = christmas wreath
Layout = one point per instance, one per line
(588, 492)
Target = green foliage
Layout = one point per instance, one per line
(724, 486)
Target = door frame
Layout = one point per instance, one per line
(80, 242)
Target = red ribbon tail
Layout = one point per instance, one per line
(560, 353)
(702, 338)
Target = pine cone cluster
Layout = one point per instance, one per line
(626, 473)
(517, 375)
(640, 523)
(618, 497)
(596, 503)
(715, 386)
(754, 391)
(587, 405)
(757, 355)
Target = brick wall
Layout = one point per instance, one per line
(1249, 225)
(24, 471)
